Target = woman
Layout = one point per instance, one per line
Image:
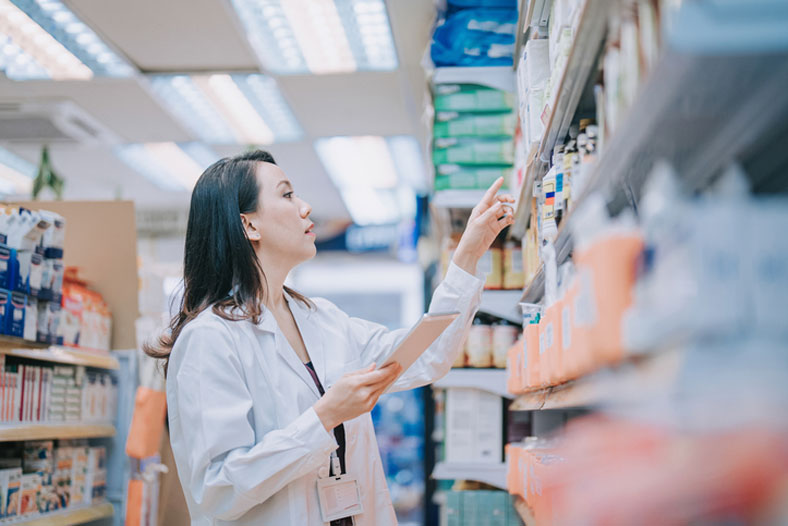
(268, 391)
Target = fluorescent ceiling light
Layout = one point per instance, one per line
(228, 109)
(319, 36)
(168, 165)
(16, 174)
(373, 186)
(45, 39)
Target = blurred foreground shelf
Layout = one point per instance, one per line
(68, 517)
(490, 380)
(47, 431)
(636, 378)
(486, 472)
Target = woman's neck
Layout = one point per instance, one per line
(274, 281)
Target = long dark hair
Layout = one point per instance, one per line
(220, 267)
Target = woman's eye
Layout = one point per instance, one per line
(288, 195)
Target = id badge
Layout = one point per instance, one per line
(339, 497)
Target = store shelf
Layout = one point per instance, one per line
(582, 58)
(13, 341)
(490, 380)
(68, 517)
(534, 291)
(47, 431)
(700, 112)
(465, 199)
(502, 304)
(635, 379)
(498, 77)
(492, 474)
(64, 355)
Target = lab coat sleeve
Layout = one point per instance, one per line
(230, 471)
(459, 291)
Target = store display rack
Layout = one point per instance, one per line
(70, 517)
(49, 431)
(493, 474)
(489, 380)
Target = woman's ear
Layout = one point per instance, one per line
(252, 234)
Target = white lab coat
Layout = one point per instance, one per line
(246, 441)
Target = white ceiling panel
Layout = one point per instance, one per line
(122, 105)
(171, 35)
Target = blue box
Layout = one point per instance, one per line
(7, 266)
(15, 314)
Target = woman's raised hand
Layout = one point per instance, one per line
(488, 218)
(354, 394)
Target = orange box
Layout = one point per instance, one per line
(548, 345)
(612, 265)
(556, 357)
(532, 356)
(514, 367)
(514, 470)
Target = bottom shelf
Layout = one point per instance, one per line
(524, 511)
(67, 517)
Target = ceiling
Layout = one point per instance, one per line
(204, 36)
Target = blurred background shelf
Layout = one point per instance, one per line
(46, 431)
(68, 517)
(502, 304)
(492, 474)
(490, 380)
(637, 378)
(62, 355)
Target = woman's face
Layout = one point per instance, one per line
(281, 226)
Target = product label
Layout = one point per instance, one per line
(549, 331)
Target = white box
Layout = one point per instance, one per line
(474, 426)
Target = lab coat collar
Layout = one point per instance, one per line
(310, 335)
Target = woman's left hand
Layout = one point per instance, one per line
(488, 218)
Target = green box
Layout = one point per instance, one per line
(467, 151)
(471, 98)
(454, 508)
(471, 508)
(469, 125)
(456, 177)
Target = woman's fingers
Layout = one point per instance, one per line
(489, 199)
(382, 375)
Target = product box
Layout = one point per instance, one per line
(513, 274)
(532, 356)
(10, 486)
(62, 479)
(453, 124)
(474, 426)
(7, 266)
(15, 314)
(30, 331)
(80, 494)
(473, 152)
(96, 474)
(612, 264)
(515, 367)
(38, 456)
(30, 489)
(471, 98)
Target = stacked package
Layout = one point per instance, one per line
(60, 393)
(38, 478)
(475, 33)
(476, 507)
(472, 136)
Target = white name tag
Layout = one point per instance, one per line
(339, 497)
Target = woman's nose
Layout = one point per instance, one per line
(305, 210)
